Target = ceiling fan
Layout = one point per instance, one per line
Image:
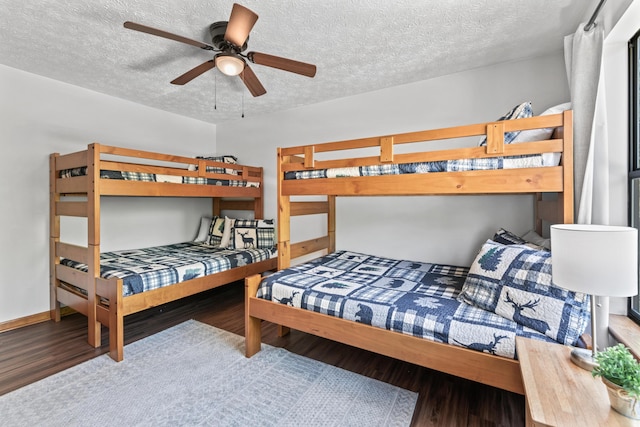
(229, 39)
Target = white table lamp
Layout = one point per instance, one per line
(599, 260)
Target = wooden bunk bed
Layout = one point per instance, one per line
(481, 367)
(101, 300)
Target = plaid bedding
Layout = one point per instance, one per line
(493, 163)
(152, 268)
(150, 177)
(413, 298)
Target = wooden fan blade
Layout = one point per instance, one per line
(194, 72)
(285, 64)
(156, 32)
(240, 24)
(251, 81)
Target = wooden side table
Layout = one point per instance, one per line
(559, 393)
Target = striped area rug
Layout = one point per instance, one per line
(195, 375)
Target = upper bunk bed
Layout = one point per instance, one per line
(83, 278)
(300, 173)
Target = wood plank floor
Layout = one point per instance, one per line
(34, 352)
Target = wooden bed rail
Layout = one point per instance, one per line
(304, 156)
(128, 160)
(287, 250)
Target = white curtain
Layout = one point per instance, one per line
(583, 60)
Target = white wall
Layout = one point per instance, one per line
(39, 116)
(436, 229)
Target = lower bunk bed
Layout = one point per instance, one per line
(135, 280)
(457, 320)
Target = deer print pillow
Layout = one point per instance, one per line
(514, 281)
(252, 234)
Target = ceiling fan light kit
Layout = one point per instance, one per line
(230, 39)
(229, 64)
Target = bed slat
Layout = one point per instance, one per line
(309, 246)
(309, 208)
(73, 185)
(72, 300)
(74, 277)
(65, 208)
(73, 252)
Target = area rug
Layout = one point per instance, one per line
(193, 375)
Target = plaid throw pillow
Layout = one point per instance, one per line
(514, 281)
(252, 234)
(518, 112)
(215, 231)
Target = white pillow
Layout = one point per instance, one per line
(203, 232)
(544, 133)
(226, 234)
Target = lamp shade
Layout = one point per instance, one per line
(600, 260)
(228, 64)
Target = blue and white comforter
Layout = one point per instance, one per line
(151, 268)
(413, 298)
(493, 163)
(152, 177)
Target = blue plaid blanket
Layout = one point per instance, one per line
(151, 177)
(413, 298)
(151, 268)
(493, 163)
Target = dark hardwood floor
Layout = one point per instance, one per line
(34, 352)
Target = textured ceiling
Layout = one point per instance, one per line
(358, 46)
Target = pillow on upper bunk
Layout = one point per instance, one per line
(224, 159)
(252, 234)
(544, 133)
(514, 281)
(520, 111)
(215, 231)
(203, 231)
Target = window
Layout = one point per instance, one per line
(634, 148)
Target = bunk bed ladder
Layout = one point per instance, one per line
(83, 186)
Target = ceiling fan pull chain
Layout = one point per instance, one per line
(215, 91)
(243, 104)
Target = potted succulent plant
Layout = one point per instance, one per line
(620, 372)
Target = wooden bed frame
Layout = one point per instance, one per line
(91, 188)
(481, 367)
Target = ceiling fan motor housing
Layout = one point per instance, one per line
(217, 31)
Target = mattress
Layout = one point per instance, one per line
(155, 267)
(151, 177)
(413, 298)
(493, 163)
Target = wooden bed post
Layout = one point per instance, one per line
(93, 237)
(252, 325)
(258, 202)
(284, 220)
(54, 238)
(331, 223)
(116, 320)
(215, 206)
